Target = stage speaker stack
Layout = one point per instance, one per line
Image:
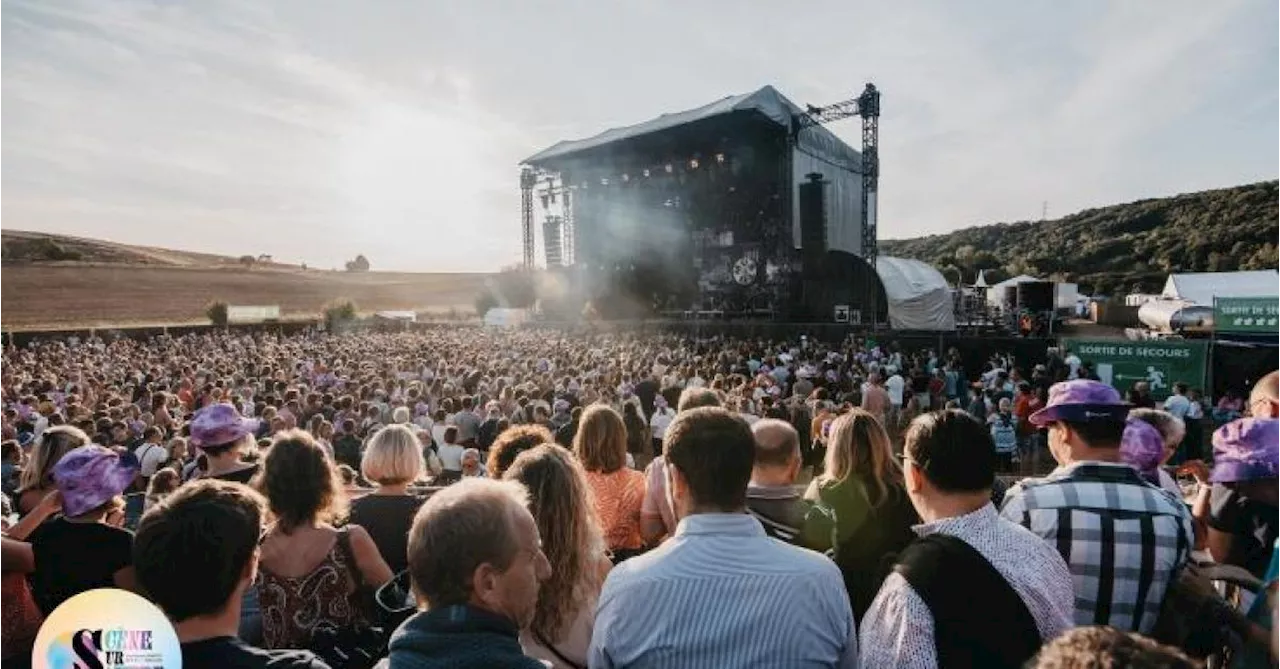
(1036, 296)
(813, 223)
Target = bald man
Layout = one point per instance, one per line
(1264, 401)
(772, 496)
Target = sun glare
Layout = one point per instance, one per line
(407, 169)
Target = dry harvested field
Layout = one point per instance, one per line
(37, 296)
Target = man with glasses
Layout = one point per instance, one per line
(1123, 538)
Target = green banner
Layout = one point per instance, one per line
(1122, 363)
(1246, 314)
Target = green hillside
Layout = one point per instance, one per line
(1119, 248)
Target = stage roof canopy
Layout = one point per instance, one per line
(767, 102)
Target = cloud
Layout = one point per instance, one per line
(314, 130)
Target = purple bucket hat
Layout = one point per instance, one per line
(1081, 401)
(89, 476)
(220, 424)
(1246, 450)
(1142, 447)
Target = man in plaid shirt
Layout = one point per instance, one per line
(1124, 539)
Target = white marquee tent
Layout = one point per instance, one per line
(1201, 287)
(919, 298)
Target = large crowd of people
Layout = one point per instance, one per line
(528, 498)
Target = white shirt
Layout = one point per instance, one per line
(451, 456)
(1178, 406)
(898, 628)
(659, 422)
(151, 456)
(895, 385)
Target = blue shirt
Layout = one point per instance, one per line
(721, 593)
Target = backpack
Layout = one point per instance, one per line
(1197, 619)
(951, 577)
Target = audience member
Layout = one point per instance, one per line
(771, 494)
(1096, 647)
(196, 553)
(86, 547)
(560, 501)
(224, 436)
(672, 605)
(471, 465)
(1099, 512)
(392, 462)
(925, 615)
(1150, 438)
(37, 478)
(476, 562)
(511, 443)
(1239, 502)
(163, 483)
(601, 446)
(860, 509)
(311, 574)
(657, 518)
(450, 452)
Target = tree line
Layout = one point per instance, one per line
(1118, 249)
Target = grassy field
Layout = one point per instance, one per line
(109, 284)
(74, 295)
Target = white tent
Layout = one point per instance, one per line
(995, 294)
(503, 317)
(1201, 287)
(402, 316)
(919, 298)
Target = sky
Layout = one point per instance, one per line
(313, 130)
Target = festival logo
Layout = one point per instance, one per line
(107, 629)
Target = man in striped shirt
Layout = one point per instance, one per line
(720, 592)
(1124, 539)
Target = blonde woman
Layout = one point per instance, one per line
(601, 447)
(37, 478)
(560, 501)
(392, 462)
(860, 507)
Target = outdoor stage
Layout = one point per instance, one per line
(746, 207)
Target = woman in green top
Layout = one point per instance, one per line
(860, 511)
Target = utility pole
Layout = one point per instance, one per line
(1044, 210)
